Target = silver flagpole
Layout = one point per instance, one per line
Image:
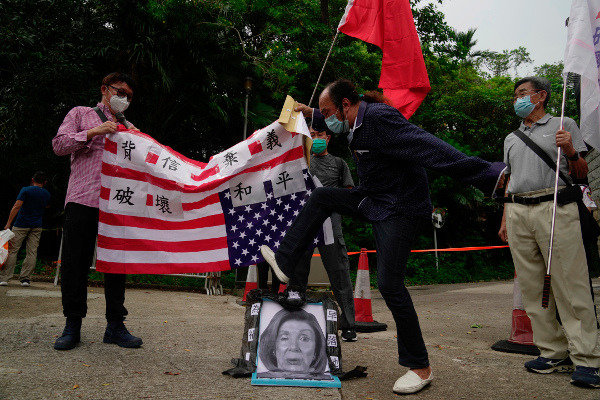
(323, 69)
(546, 292)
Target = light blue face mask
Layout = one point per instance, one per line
(319, 146)
(524, 106)
(337, 126)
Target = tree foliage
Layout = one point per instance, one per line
(190, 59)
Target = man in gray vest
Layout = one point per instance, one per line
(526, 225)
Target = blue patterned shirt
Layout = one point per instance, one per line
(391, 156)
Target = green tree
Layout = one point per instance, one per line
(464, 43)
(501, 63)
(553, 72)
(190, 59)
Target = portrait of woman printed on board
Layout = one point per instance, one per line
(293, 346)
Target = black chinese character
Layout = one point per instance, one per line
(163, 204)
(272, 140)
(230, 158)
(242, 191)
(283, 178)
(172, 165)
(123, 196)
(128, 146)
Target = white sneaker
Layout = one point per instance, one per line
(269, 257)
(411, 383)
(3, 283)
(25, 283)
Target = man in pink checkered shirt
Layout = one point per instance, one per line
(81, 136)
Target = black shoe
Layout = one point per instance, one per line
(349, 335)
(116, 333)
(586, 377)
(25, 282)
(70, 336)
(293, 297)
(542, 365)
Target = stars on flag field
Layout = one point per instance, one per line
(251, 225)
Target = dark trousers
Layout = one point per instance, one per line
(263, 278)
(394, 238)
(79, 241)
(336, 263)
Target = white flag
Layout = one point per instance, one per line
(582, 56)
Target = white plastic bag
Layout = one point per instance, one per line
(5, 236)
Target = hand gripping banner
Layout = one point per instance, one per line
(162, 213)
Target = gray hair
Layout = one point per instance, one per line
(538, 83)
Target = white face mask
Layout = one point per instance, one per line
(118, 104)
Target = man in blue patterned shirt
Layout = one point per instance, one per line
(391, 156)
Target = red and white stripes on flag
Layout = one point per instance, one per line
(582, 56)
(161, 213)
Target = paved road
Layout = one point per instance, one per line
(189, 339)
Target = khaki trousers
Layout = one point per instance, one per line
(528, 228)
(33, 240)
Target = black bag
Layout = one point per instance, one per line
(589, 226)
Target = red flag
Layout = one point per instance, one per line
(389, 24)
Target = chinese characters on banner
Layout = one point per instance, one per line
(162, 213)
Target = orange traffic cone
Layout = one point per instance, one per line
(251, 281)
(521, 335)
(362, 298)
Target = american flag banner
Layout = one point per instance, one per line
(162, 213)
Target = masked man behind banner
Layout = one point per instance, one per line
(81, 136)
(526, 225)
(331, 171)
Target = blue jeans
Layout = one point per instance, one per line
(394, 238)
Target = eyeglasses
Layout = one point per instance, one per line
(121, 92)
(526, 93)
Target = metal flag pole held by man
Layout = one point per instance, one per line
(547, 277)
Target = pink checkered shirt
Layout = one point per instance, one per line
(86, 156)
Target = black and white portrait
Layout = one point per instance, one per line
(292, 343)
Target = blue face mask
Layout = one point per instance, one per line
(337, 126)
(524, 106)
(319, 146)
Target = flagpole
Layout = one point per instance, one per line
(547, 278)
(323, 69)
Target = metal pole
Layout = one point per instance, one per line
(246, 116)
(58, 264)
(323, 69)
(546, 290)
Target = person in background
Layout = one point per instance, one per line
(28, 210)
(526, 226)
(81, 137)
(331, 171)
